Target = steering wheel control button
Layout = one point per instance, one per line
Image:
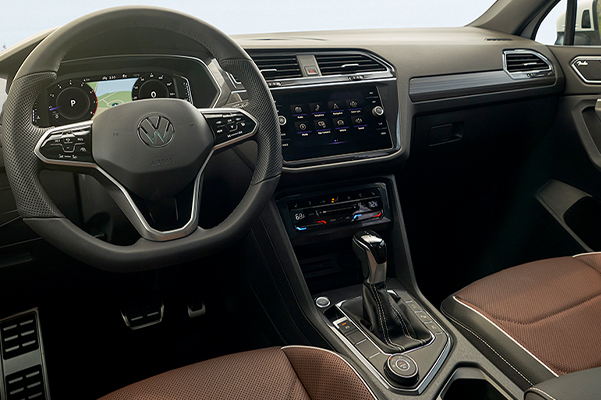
(67, 145)
(230, 127)
(322, 302)
(401, 369)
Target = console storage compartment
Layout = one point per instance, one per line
(469, 383)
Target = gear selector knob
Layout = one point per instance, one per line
(370, 248)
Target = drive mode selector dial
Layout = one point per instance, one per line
(401, 369)
(71, 101)
(153, 86)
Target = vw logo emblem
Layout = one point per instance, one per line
(156, 131)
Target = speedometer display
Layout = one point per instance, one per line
(82, 99)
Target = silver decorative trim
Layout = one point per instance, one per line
(306, 85)
(429, 375)
(528, 74)
(505, 333)
(340, 357)
(133, 213)
(447, 83)
(585, 59)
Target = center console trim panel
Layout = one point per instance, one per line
(423, 382)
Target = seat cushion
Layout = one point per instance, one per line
(289, 373)
(542, 318)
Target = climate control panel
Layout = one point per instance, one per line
(317, 213)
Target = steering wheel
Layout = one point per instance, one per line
(143, 152)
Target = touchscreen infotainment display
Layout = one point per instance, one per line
(329, 122)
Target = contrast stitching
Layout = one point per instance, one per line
(487, 345)
(535, 389)
(402, 321)
(382, 319)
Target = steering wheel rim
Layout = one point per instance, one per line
(21, 138)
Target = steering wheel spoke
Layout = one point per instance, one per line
(161, 221)
(67, 146)
(230, 126)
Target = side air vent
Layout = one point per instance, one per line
(26, 384)
(340, 64)
(276, 66)
(19, 336)
(522, 62)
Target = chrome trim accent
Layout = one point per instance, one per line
(342, 358)
(528, 74)
(506, 334)
(447, 83)
(231, 110)
(376, 271)
(126, 320)
(585, 58)
(429, 375)
(323, 84)
(133, 213)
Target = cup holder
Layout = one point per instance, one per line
(468, 383)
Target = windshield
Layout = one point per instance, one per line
(21, 19)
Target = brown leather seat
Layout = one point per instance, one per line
(288, 373)
(538, 320)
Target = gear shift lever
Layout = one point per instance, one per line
(384, 316)
(371, 251)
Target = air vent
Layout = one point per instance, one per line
(522, 62)
(19, 336)
(340, 64)
(276, 66)
(26, 384)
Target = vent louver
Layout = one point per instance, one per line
(26, 384)
(521, 62)
(276, 66)
(340, 64)
(19, 336)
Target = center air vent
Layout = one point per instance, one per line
(276, 66)
(340, 64)
(520, 61)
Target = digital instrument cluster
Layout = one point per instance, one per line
(81, 99)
